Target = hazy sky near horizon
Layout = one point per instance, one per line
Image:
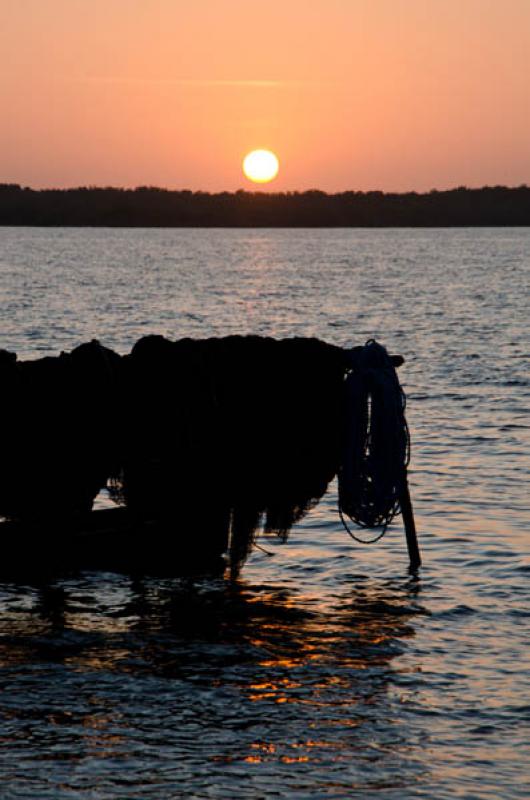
(350, 94)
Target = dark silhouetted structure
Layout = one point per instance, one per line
(201, 441)
(57, 444)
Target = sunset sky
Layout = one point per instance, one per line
(350, 94)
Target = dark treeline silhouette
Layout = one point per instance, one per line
(155, 207)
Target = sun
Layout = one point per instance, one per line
(261, 166)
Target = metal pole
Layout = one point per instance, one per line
(410, 527)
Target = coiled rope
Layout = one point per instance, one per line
(373, 473)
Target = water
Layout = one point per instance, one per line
(325, 670)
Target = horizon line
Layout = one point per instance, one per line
(250, 190)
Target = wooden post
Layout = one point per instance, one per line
(410, 527)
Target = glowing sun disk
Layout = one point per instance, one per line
(261, 166)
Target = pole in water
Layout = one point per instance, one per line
(410, 527)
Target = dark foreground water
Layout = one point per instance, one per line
(324, 670)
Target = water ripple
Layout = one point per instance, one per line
(325, 670)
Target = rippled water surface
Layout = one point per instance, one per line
(325, 669)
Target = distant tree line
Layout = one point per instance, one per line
(148, 206)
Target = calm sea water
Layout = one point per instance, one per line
(325, 669)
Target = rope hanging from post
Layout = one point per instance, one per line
(373, 473)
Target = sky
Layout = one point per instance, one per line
(393, 95)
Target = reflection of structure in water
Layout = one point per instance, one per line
(220, 670)
(285, 629)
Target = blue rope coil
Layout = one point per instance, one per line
(373, 472)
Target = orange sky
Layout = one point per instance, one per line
(351, 94)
